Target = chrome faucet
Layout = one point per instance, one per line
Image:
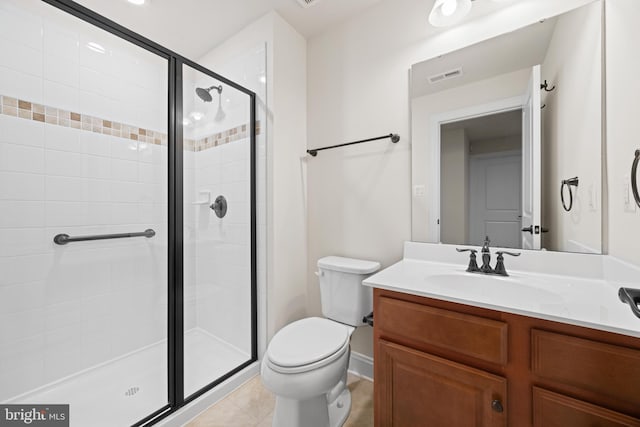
(486, 260)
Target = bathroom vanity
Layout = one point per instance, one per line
(454, 348)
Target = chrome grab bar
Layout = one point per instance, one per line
(63, 239)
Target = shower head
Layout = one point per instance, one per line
(205, 94)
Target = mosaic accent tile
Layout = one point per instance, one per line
(24, 114)
(220, 138)
(9, 102)
(43, 113)
(24, 105)
(10, 111)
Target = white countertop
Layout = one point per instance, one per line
(590, 301)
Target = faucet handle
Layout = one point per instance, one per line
(473, 251)
(473, 265)
(500, 262)
(508, 253)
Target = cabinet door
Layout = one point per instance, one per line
(555, 410)
(418, 389)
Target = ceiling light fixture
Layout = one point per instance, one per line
(137, 2)
(449, 12)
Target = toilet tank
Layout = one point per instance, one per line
(343, 296)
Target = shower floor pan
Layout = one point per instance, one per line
(127, 389)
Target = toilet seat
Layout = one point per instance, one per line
(307, 344)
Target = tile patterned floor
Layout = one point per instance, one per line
(252, 406)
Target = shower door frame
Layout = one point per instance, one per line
(175, 273)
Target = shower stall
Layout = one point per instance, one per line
(127, 219)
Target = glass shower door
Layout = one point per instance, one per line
(83, 218)
(218, 313)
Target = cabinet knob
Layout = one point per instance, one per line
(496, 405)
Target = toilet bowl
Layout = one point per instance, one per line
(306, 368)
(306, 362)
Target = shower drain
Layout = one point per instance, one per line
(132, 391)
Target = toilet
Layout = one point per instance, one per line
(306, 362)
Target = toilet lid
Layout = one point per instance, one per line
(307, 341)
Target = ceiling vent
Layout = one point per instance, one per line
(308, 3)
(451, 74)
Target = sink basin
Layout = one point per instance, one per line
(486, 287)
(561, 287)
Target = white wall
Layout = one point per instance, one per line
(454, 176)
(283, 197)
(68, 308)
(288, 201)
(623, 111)
(572, 131)
(359, 197)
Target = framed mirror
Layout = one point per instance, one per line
(507, 139)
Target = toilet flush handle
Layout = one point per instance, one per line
(319, 273)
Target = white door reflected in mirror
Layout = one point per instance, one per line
(531, 157)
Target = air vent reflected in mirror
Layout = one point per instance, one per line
(451, 74)
(308, 3)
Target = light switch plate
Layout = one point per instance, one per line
(419, 190)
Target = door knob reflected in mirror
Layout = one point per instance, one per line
(537, 228)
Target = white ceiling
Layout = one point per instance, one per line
(193, 27)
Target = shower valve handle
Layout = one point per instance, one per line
(219, 206)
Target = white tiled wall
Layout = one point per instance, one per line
(67, 308)
(83, 303)
(223, 258)
(217, 251)
(50, 61)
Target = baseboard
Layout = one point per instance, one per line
(361, 365)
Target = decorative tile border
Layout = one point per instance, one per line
(220, 138)
(42, 113)
(56, 116)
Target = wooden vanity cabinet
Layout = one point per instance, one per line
(420, 389)
(443, 364)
